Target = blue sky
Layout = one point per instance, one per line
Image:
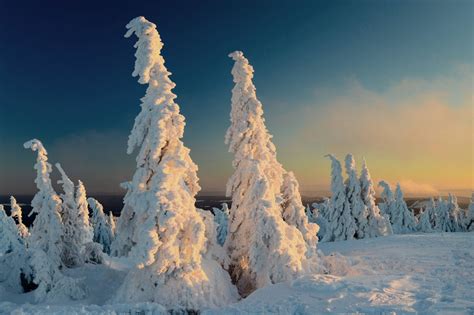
(65, 78)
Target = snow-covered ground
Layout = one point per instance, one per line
(417, 273)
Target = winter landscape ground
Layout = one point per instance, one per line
(402, 274)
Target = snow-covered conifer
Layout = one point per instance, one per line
(103, 233)
(353, 194)
(263, 248)
(221, 217)
(403, 220)
(456, 217)
(378, 225)
(45, 241)
(17, 213)
(424, 222)
(13, 254)
(388, 199)
(160, 229)
(470, 215)
(111, 223)
(75, 217)
(294, 211)
(341, 224)
(443, 222)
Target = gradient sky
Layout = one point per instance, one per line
(390, 81)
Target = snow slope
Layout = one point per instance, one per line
(412, 273)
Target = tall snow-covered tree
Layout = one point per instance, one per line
(103, 233)
(377, 224)
(160, 229)
(403, 220)
(341, 224)
(262, 246)
(221, 217)
(353, 194)
(13, 254)
(45, 241)
(17, 213)
(75, 216)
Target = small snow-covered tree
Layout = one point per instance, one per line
(378, 225)
(13, 254)
(455, 215)
(160, 229)
(294, 211)
(470, 215)
(263, 247)
(427, 221)
(424, 224)
(443, 222)
(45, 241)
(221, 217)
(318, 215)
(353, 194)
(17, 213)
(388, 199)
(111, 223)
(341, 224)
(403, 220)
(103, 233)
(75, 217)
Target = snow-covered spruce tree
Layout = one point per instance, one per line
(403, 220)
(318, 215)
(263, 247)
(103, 233)
(470, 215)
(427, 221)
(455, 215)
(378, 224)
(13, 254)
(17, 213)
(353, 194)
(221, 217)
(424, 224)
(388, 199)
(45, 241)
(341, 225)
(294, 211)
(111, 223)
(166, 234)
(75, 217)
(443, 222)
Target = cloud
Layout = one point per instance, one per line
(416, 128)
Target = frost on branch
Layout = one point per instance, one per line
(45, 241)
(341, 224)
(263, 248)
(378, 225)
(17, 213)
(13, 254)
(159, 228)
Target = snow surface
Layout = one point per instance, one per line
(410, 273)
